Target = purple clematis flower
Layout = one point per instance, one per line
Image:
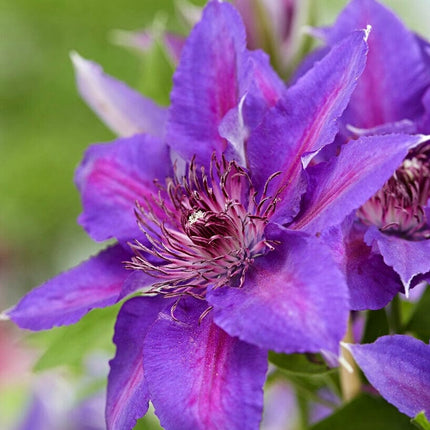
(225, 244)
(399, 368)
(385, 246)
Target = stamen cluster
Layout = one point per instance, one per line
(399, 206)
(210, 232)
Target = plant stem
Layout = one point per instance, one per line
(349, 380)
(395, 318)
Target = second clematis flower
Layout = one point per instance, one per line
(218, 220)
(384, 247)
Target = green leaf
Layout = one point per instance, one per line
(70, 345)
(376, 325)
(419, 323)
(363, 413)
(421, 422)
(301, 364)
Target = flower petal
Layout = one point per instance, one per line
(372, 284)
(304, 120)
(201, 378)
(399, 368)
(112, 177)
(206, 83)
(63, 300)
(262, 90)
(345, 182)
(396, 76)
(127, 394)
(408, 258)
(294, 299)
(124, 110)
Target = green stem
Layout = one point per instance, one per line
(303, 410)
(349, 378)
(395, 318)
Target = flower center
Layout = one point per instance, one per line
(211, 231)
(398, 208)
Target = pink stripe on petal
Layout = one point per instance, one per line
(63, 300)
(112, 177)
(127, 394)
(199, 377)
(304, 120)
(344, 183)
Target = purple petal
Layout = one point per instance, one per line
(304, 120)
(399, 368)
(124, 110)
(63, 300)
(294, 299)
(280, 406)
(112, 177)
(206, 83)
(137, 281)
(127, 395)
(408, 258)
(263, 88)
(372, 284)
(396, 76)
(344, 183)
(201, 378)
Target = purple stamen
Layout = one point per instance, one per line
(211, 230)
(398, 207)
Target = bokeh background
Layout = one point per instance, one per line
(44, 129)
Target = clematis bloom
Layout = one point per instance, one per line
(385, 245)
(218, 218)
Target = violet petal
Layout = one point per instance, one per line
(112, 177)
(304, 120)
(294, 299)
(399, 368)
(396, 76)
(345, 182)
(201, 378)
(372, 284)
(408, 258)
(124, 110)
(127, 394)
(206, 83)
(63, 300)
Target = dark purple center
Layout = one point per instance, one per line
(212, 230)
(399, 207)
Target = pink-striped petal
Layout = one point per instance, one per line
(344, 183)
(112, 177)
(127, 394)
(304, 121)
(294, 299)
(199, 377)
(65, 299)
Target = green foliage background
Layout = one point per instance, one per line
(45, 127)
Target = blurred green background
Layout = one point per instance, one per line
(45, 127)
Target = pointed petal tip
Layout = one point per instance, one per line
(367, 31)
(4, 315)
(77, 60)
